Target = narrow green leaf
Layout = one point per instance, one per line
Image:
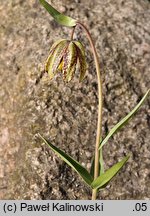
(60, 18)
(108, 175)
(71, 162)
(101, 162)
(101, 168)
(120, 124)
(92, 167)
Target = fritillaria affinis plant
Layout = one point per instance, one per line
(65, 55)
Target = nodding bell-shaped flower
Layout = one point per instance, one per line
(64, 56)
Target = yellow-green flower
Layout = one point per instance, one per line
(63, 57)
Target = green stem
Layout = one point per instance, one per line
(99, 122)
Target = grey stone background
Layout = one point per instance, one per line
(66, 114)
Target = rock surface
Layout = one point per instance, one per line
(66, 114)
